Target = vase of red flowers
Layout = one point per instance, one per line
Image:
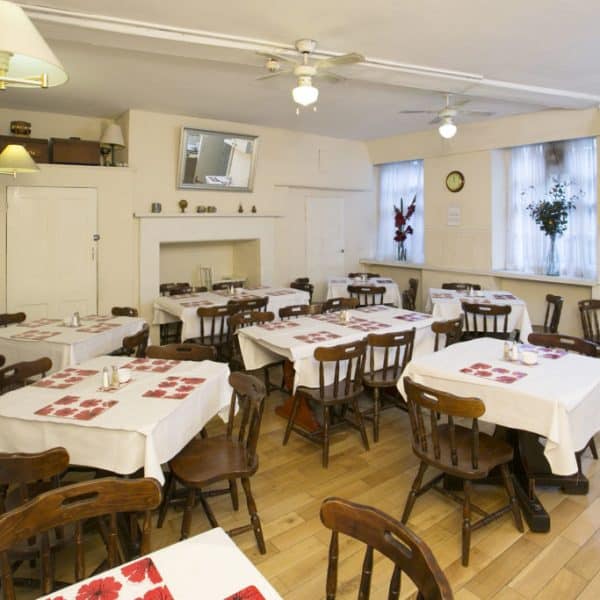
(403, 229)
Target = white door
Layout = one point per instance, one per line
(51, 251)
(324, 242)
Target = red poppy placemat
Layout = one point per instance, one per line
(333, 317)
(34, 335)
(197, 303)
(73, 407)
(364, 324)
(317, 336)
(275, 325)
(175, 388)
(372, 309)
(504, 297)
(413, 316)
(248, 593)
(441, 295)
(140, 580)
(475, 300)
(154, 365)
(499, 374)
(281, 293)
(97, 318)
(39, 323)
(99, 328)
(65, 378)
(552, 353)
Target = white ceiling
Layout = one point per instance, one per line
(504, 51)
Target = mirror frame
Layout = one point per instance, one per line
(206, 186)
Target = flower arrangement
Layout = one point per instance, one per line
(403, 230)
(551, 213)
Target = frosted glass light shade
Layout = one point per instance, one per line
(15, 159)
(447, 129)
(25, 58)
(113, 136)
(305, 94)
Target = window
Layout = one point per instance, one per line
(530, 171)
(400, 180)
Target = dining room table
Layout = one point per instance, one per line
(208, 566)
(123, 427)
(447, 304)
(64, 344)
(548, 410)
(183, 307)
(337, 287)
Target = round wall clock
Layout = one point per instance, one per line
(455, 181)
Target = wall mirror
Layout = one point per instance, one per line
(215, 160)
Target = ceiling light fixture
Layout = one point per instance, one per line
(447, 129)
(25, 58)
(305, 93)
(15, 159)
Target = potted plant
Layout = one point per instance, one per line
(403, 230)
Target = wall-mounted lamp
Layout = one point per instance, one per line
(15, 159)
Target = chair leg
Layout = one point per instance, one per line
(187, 513)
(254, 518)
(169, 487)
(326, 418)
(267, 380)
(510, 490)
(291, 419)
(412, 495)
(361, 424)
(208, 510)
(466, 527)
(234, 494)
(376, 401)
(593, 448)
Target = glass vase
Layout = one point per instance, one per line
(401, 251)
(552, 263)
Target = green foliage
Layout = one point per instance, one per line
(551, 213)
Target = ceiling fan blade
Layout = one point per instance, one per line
(279, 57)
(333, 77)
(460, 103)
(417, 112)
(345, 59)
(479, 113)
(435, 121)
(275, 74)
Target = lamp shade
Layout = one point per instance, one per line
(447, 129)
(305, 93)
(25, 58)
(113, 136)
(15, 159)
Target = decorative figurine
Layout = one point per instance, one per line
(254, 208)
(183, 204)
(240, 208)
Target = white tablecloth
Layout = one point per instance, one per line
(208, 566)
(446, 304)
(65, 345)
(337, 287)
(262, 344)
(141, 429)
(183, 307)
(557, 398)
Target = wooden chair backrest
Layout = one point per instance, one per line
(2, 359)
(482, 314)
(413, 284)
(124, 311)
(588, 311)
(391, 538)
(75, 504)
(554, 306)
(225, 285)
(348, 368)
(461, 287)
(19, 374)
(301, 280)
(137, 343)
(566, 342)
(194, 352)
(397, 351)
(452, 329)
(12, 318)
(249, 397)
(367, 295)
(299, 310)
(249, 304)
(363, 274)
(425, 404)
(172, 289)
(247, 319)
(337, 304)
(409, 300)
(304, 286)
(213, 322)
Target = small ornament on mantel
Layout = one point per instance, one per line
(183, 203)
(254, 208)
(240, 208)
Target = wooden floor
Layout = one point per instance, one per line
(505, 564)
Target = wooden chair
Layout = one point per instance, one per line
(124, 311)
(225, 285)
(249, 304)
(397, 349)
(173, 289)
(136, 344)
(457, 451)
(451, 329)
(588, 311)
(346, 362)
(170, 333)
(2, 359)
(20, 374)
(461, 287)
(408, 300)
(367, 295)
(337, 304)
(303, 283)
(75, 504)
(554, 306)
(12, 318)
(395, 541)
(193, 352)
(362, 274)
(226, 458)
(478, 317)
(213, 327)
(413, 284)
(299, 310)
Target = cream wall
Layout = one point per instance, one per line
(464, 252)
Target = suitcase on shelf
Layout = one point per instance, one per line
(74, 151)
(37, 148)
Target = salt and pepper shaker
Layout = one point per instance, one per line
(514, 352)
(105, 378)
(114, 381)
(507, 349)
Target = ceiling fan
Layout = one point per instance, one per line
(304, 70)
(447, 115)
